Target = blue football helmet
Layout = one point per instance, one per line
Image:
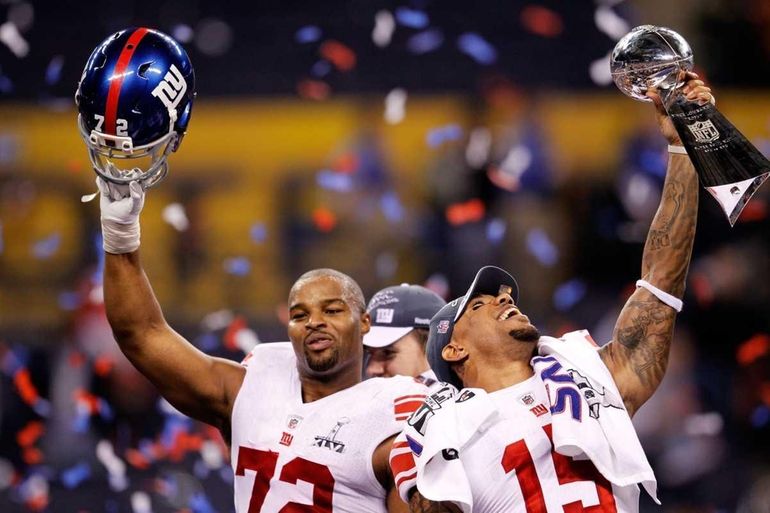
(134, 102)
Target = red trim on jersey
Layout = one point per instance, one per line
(116, 80)
(406, 478)
(400, 445)
(413, 396)
(402, 463)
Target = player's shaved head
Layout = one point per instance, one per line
(351, 291)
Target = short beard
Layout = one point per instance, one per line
(323, 364)
(528, 334)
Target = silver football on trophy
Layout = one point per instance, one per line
(649, 56)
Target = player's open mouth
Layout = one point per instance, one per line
(507, 313)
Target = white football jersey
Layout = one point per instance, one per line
(510, 464)
(293, 456)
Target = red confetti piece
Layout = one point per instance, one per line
(26, 389)
(468, 212)
(103, 366)
(231, 332)
(30, 433)
(313, 89)
(753, 349)
(541, 21)
(324, 219)
(136, 459)
(343, 58)
(32, 456)
(88, 399)
(347, 163)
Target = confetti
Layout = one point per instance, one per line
(308, 34)
(599, 70)
(479, 146)
(391, 207)
(569, 294)
(76, 475)
(542, 21)
(141, 503)
(116, 468)
(477, 48)
(258, 233)
(347, 162)
(508, 174)
(338, 182)
(175, 215)
(760, 417)
(46, 248)
(34, 491)
(239, 336)
(395, 106)
(313, 89)
(384, 25)
(425, 42)
(183, 33)
(343, 58)
(217, 320)
(10, 36)
(320, 69)
(324, 219)
(753, 349)
(438, 136)
(53, 71)
(411, 18)
(468, 212)
(610, 23)
(495, 230)
(237, 266)
(541, 247)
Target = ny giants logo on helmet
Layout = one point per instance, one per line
(171, 90)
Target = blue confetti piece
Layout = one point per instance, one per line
(53, 71)
(105, 410)
(6, 86)
(258, 232)
(438, 136)
(45, 249)
(425, 42)
(226, 474)
(207, 342)
(760, 417)
(82, 421)
(496, 230)
(411, 18)
(568, 294)
(391, 207)
(238, 266)
(69, 300)
(308, 34)
(477, 48)
(540, 245)
(42, 407)
(14, 360)
(201, 470)
(321, 69)
(199, 503)
(330, 180)
(74, 476)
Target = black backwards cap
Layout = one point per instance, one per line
(488, 280)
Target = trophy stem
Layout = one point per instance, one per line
(728, 165)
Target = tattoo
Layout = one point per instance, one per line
(645, 331)
(638, 356)
(419, 504)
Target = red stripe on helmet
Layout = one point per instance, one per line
(116, 80)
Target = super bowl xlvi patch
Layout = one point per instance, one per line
(432, 403)
(330, 441)
(443, 326)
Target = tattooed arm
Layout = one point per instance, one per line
(638, 354)
(419, 504)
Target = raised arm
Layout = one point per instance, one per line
(638, 354)
(198, 385)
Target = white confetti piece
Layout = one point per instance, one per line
(10, 36)
(175, 215)
(384, 25)
(395, 106)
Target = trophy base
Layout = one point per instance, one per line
(733, 197)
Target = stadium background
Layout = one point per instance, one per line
(395, 141)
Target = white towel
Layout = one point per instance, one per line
(570, 366)
(440, 473)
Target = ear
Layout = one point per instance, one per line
(454, 352)
(366, 323)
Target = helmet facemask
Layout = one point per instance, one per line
(116, 160)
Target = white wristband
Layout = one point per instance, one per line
(120, 238)
(665, 297)
(677, 149)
